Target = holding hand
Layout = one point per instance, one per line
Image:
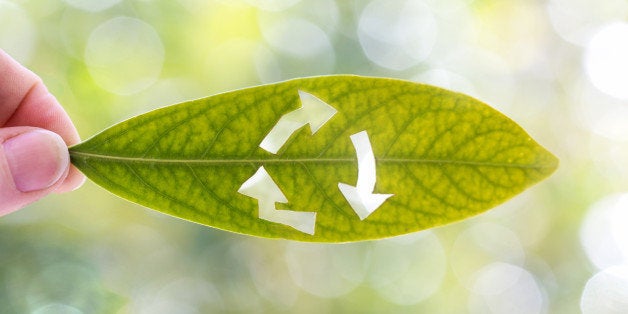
(35, 133)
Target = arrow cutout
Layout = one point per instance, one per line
(262, 187)
(361, 197)
(313, 111)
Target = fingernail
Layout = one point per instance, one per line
(37, 159)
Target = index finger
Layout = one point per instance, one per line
(25, 101)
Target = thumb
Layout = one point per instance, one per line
(33, 162)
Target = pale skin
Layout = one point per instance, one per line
(35, 132)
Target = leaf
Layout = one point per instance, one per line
(442, 155)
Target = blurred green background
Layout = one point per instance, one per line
(557, 67)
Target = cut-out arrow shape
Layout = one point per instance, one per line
(361, 197)
(313, 111)
(262, 187)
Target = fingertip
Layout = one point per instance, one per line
(33, 163)
(72, 182)
(37, 159)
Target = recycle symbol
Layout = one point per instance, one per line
(262, 187)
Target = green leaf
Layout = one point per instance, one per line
(442, 155)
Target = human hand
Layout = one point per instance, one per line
(35, 133)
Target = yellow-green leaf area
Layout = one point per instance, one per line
(444, 156)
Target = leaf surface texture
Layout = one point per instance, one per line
(445, 156)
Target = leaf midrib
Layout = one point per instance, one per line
(85, 155)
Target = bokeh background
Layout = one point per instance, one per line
(557, 67)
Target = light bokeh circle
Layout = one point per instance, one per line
(91, 5)
(17, 34)
(606, 60)
(56, 308)
(576, 20)
(397, 34)
(272, 5)
(409, 269)
(598, 112)
(303, 47)
(603, 234)
(124, 55)
(483, 244)
(297, 37)
(326, 271)
(606, 292)
(505, 288)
